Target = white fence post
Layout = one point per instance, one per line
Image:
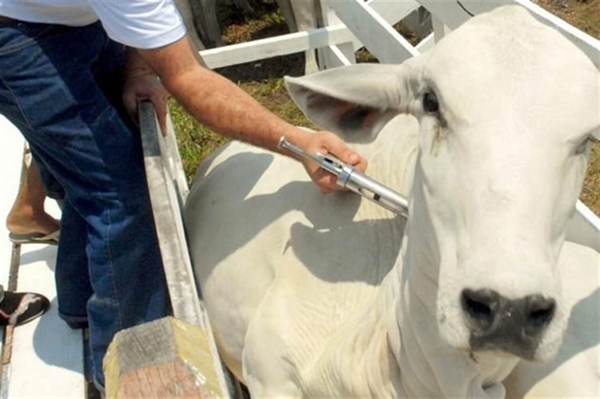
(377, 35)
(335, 55)
(439, 29)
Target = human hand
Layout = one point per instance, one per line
(146, 86)
(328, 143)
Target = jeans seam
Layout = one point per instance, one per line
(16, 101)
(25, 43)
(112, 279)
(106, 41)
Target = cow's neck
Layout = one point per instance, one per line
(428, 367)
(382, 355)
(358, 363)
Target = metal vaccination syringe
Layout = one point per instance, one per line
(353, 180)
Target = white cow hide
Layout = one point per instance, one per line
(330, 296)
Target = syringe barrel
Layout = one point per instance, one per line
(373, 190)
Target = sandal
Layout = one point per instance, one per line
(35, 238)
(18, 308)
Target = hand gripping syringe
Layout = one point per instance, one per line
(353, 180)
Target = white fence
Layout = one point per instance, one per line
(350, 24)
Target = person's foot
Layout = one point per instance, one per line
(22, 222)
(18, 308)
(35, 238)
(41, 228)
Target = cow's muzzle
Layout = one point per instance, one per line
(515, 326)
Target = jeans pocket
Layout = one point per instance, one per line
(15, 36)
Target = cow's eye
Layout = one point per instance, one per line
(430, 102)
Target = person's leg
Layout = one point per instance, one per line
(72, 276)
(53, 188)
(48, 89)
(27, 220)
(18, 308)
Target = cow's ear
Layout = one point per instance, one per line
(354, 101)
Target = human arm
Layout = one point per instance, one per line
(223, 106)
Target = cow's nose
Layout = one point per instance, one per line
(512, 325)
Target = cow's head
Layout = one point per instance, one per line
(506, 108)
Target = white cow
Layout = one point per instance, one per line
(314, 296)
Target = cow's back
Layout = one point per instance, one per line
(267, 245)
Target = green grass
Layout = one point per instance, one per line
(263, 80)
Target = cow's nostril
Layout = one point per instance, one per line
(477, 310)
(480, 306)
(540, 313)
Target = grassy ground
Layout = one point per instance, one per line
(263, 80)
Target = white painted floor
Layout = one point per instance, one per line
(47, 357)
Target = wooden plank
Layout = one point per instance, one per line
(336, 55)
(276, 46)
(167, 214)
(168, 189)
(161, 359)
(393, 11)
(584, 227)
(426, 44)
(13, 273)
(373, 31)
(6, 344)
(333, 57)
(449, 12)
(439, 29)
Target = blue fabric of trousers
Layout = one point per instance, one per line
(61, 87)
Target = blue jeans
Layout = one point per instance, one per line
(60, 86)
